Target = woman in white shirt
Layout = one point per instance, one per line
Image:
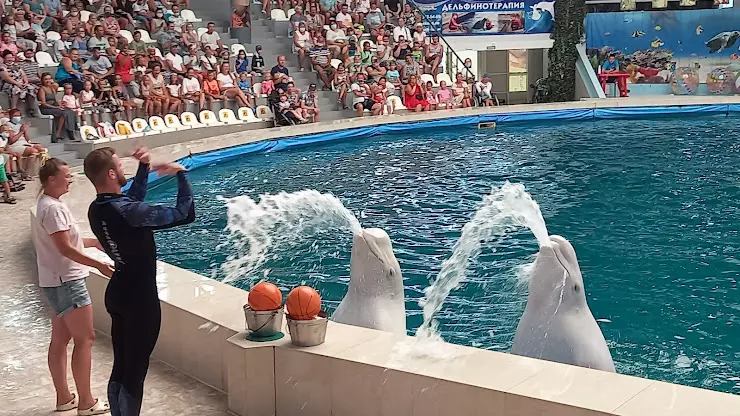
(62, 272)
(301, 44)
(227, 83)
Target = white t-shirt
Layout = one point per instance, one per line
(174, 90)
(175, 60)
(226, 80)
(210, 39)
(346, 19)
(334, 35)
(355, 87)
(52, 216)
(190, 85)
(398, 31)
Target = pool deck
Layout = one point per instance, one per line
(25, 385)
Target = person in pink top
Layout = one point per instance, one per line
(7, 44)
(444, 96)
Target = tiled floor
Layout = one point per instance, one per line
(25, 384)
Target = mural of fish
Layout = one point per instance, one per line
(722, 41)
(699, 29)
(638, 33)
(657, 43)
(658, 28)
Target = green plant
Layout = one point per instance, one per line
(566, 34)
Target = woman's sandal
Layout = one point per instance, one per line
(72, 404)
(99, 408)
(9, 200)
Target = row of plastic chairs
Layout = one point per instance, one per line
(186, 14)
(170, 123)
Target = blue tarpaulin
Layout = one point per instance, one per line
(218, 156)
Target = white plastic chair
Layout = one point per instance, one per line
(157, 124)
(208, 118)
(139, 125)
(145, 37)
(64, 13)
(45, 59)
(227, 116)
(89, 133)
(278, 15)
(52, 36)
(201, 31)
(257, 88)
(364, 41)
(444, 77)
(396, 102)
(264, 113)
(84, 15)
(427, 78)
(171, 121)
(127, 35)
(158, 52)
(290, 13)
(335, 63)
(189, 119)
(247, 115)
(189, 16)
(124, 128)
(235, 48)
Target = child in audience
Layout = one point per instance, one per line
(146, 89)
(393, 76)
(245, 86)
(444, 95)
(430, 96)
(88, 101)
(212, 89)
(285, 107)
(69, 101)
(267, 84)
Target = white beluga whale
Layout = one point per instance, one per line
(375, 296)
(557, 324)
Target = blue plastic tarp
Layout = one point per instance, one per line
(632, 112)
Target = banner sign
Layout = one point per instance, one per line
(489, 17)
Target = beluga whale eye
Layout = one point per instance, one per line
(576, 288)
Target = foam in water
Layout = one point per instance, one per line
(256, 228)
(504, 209)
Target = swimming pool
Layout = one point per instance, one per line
(650, 207)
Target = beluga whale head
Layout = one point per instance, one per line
(375, 297)
(557, 324)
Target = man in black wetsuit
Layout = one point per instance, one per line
(125, 224)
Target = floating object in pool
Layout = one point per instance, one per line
(699, 29)
(265, 296)
(657, 43)
(722, 41)
(720, 81)
(734, 57)
(638, 33)
(684, 81)
(658, 28)
(303, 303)
(487, 125)
(375, 297)
(557, 324)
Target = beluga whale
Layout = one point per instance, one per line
(557, 324)
(375, 297)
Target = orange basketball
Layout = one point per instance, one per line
(304, 303)
(265, 297)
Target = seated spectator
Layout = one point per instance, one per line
(140, 12)
(414, 96)
(393, 75)
(288, 111)
(98, 66)
(418, 54)
(419, 35)
(73, 21)
(14, 82)
(461, 92)
(61, 46)
(191, 89)
(484, 89)
(344, 19)
(301, 45)
(355, 67)
(362, 97)
(157, 25)
(174, 62)
(24, 28)
(89, 102)
(410, 68)
(241, 64)
(169, 37)
(258, 62)
(320, 58)
(135, 90)
(433, 56)
(430, 95)
(375, 70)
(298, 17)
(7, 44)
(124, 14)
(65, 120)
(173, 16)
(392, 8)
(384, 50)
(80, 44)
(268, 86)
(92, 22)
(99, 40)
(337, 41)
(30, 67)
(5, 168)
(444, 96)
(36, 9)
(314, 20)
(401, 50)
(361, 6)
(153, 59)
(409, 17)
(174, 94)
(18, 142)
(70, 101)
(211, 38)
(227, 86)
(245, 85)
(224, 56)
(137, 45)
(157, 94)
(70, 72)
(367, 54)
(280, 74)
(208, 61)
(189, 37)
(401, 30)
(192, 60)
(122, 97)
(374, 19)
(115, 46)
(20, 42)
(151, 107)
(212, 89)
(110, 22)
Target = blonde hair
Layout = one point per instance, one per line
(52, 167)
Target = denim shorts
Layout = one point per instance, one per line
(67, 297)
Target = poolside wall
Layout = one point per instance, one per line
(360, 371)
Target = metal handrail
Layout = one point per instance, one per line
(438, 33)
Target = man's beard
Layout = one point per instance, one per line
(121, 179)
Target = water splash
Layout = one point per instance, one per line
(501, 211)
(280, 220)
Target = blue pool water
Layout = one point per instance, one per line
(650, 207)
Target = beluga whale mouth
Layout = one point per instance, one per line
(557, 324)
(375, 297)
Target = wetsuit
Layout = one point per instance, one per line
(124, 225)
